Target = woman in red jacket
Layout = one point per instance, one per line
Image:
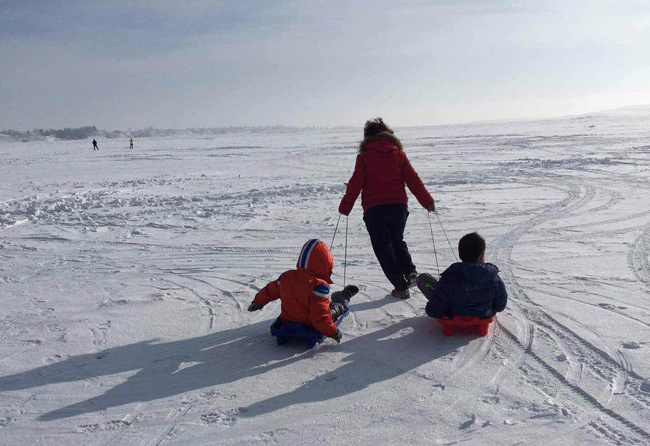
(380, 173)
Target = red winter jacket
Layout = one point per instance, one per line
(380, 172)
(303, 291)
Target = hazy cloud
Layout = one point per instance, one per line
(196, 62)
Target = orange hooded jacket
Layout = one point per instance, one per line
(304, 291)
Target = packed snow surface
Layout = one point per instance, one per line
(125, 277)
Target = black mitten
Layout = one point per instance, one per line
(254, 307)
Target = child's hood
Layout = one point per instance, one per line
(473, 272)
(316, 257)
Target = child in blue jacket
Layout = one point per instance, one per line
(471, 288)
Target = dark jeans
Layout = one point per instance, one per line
(385, 224)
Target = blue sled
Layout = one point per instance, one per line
(286, 331)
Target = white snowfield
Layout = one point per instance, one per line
(125, 276)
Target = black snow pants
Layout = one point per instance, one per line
(385, 224)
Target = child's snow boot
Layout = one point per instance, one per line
(340, 302)
(345, 295)
(427, 284)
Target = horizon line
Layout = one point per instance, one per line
(350, 126)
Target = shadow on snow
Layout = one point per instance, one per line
(171, 368)
(375, 357)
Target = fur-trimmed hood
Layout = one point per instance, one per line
(383, 136)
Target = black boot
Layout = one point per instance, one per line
(341, 300)
(344, 296)
(427, 284)
(401, 292)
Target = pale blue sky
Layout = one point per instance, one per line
(128, 64)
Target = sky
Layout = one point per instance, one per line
(123, 64)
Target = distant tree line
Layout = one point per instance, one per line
(67, 133)
(77, 133)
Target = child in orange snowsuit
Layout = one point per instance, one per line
(304, 291)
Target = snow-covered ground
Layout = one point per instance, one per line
(125, 277)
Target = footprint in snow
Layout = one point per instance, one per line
(468, 423)
(490, 400)
(99, 427)
(225, 419)
(4, 422)
(611, 307)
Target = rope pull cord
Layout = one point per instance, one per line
(345, 258)
(435, 253)
(445, 232)
(335, 230)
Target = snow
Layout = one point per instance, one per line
(125, 277)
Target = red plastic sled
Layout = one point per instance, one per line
(479, 324)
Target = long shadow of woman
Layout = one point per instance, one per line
(164, 369)
(173, 368)
(375, 357)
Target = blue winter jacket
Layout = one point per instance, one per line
(468, 289)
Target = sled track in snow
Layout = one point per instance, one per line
(166, 431)
(604, 222)
(590, 356)
(597, 235)
(590, 400)
(599, 362)
(637, 258)
(600, 306)
(223, 292)
(207, 308)
(198, 250)
(507, 242)
(615, 198)
(470, 357)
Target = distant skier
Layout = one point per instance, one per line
(131, 143)
(303, 293)
(471, 288)
(380, 172)
(95, 146)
